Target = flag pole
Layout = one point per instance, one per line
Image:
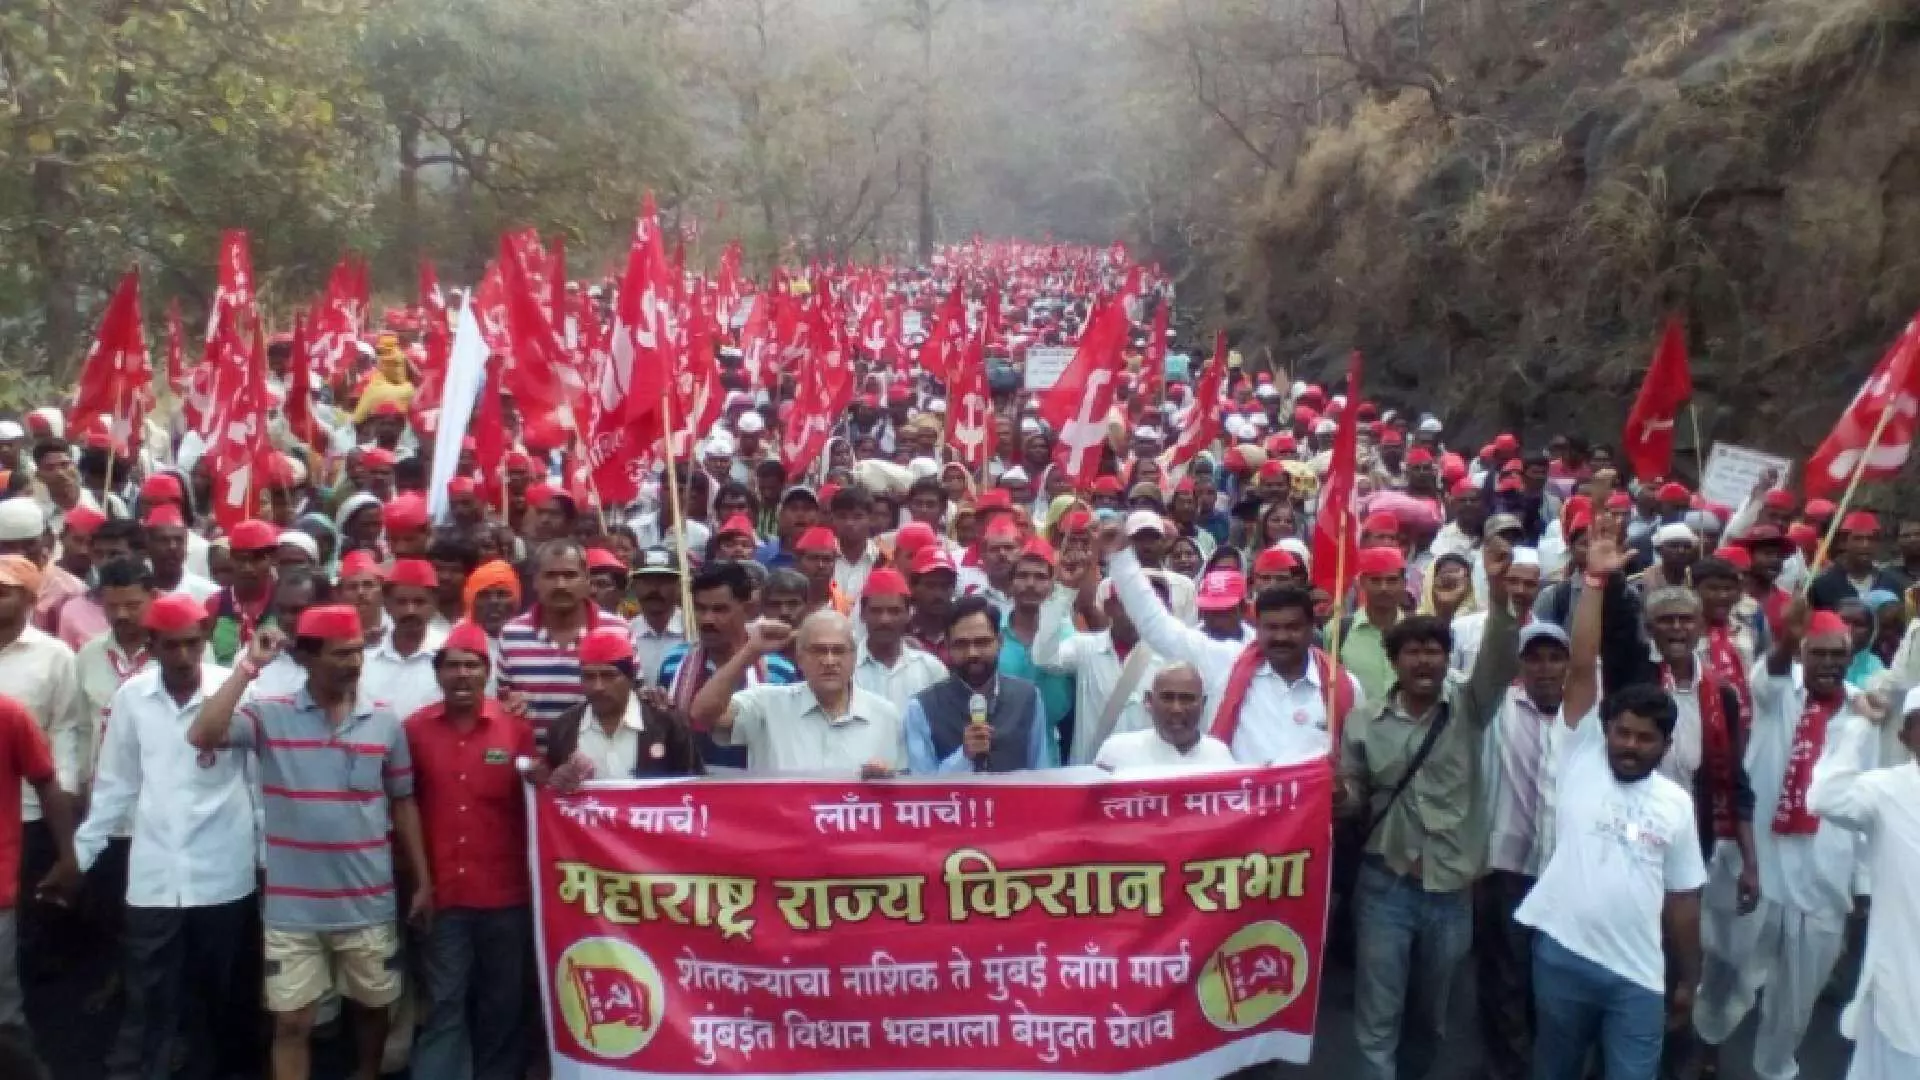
(1334, 670)
(1699, 452)
(1853, 483)
(673, 497)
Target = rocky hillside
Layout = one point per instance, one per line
(1507, 251)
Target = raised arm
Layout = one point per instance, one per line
(1498, 662)
(1841, 791)
(213, 728)
(1793, 627)
(1163, 631)
(1605, 558)
(713, 707)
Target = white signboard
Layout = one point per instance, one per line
(1045, 365)
(1733, 470)
(910, 323)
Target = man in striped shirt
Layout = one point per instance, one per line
(336, 777)
(540, 650)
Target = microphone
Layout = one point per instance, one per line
(977, 714)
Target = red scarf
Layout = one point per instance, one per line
(1716, 746)
(1723, 660)
(692, 674)
(1226, 722)
(1791, 817)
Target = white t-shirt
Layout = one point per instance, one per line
(1130, 750)
(1619, 849)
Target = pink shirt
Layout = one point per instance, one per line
(81, 620)
(57, 586)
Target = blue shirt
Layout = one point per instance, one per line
(921, 757)
(780, 672)
(1056, 690)
(772, 557)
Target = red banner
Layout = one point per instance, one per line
(1158, 928)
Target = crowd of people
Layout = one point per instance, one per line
(1635, 758)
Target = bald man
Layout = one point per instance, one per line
(824, 724)
(1177, 702)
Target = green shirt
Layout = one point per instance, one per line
(1363, 651)
(1437, 829)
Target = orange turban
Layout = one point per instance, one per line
(491, 575)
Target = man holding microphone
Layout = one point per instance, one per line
(976, 719)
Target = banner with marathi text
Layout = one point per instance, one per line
(956, 927)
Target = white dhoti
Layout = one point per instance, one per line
(1875, 1058)
(1787, 953)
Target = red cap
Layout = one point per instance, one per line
(1376, 561)
(388, 408)
(1827, 624)
(1222, 590)
(1779, 499)
(379, 458)
(254, 535)
(518, 461)
(82, 520)
(827, 492)
(1487, 452)
(602, 559)
(1419, 455)
(467, 636)
(1463, 486)
(1505, 443)
(1185, 486)
(1578, 522)
(1380, 522)
(1366, 410)
(1272, 470)
(885, 581)
(461, 487)
(1076, 521)
(913, 536)
(359, 563)
(818, 538)
(737, 525)
(1860, 521)
(1510, 484)
(1673, 492)
(161, 487)
(329, 622)
(1235, 460)
(1619, 500)
(406, 513)
(173, 613)
(1761, 534)
(416, 572)
(899, 392)
(1392, 437)
(994, 499)
(1275, 560)
(1821, 509)
(1738, 556)
(1803, 535)
(605, 647)
(1038, 548)
(1110, 485)
(1283, 443)
(871, 401)
(1303, 415)
(165, 516)
(932, 559)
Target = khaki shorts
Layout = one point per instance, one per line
(362, 965)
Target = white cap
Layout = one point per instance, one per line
(1015, 475)
(762, 399)
(1429, 425)
(1299, 387)
(937, 406)
(923, 467)
(21, 519)
(718, 444)
(296, 538)
(1147, 432)
(56, 423)
(751, 424)
(1258, 420)
(1526, 556)
(1029, 426)
(1676, 533)
(736, 397)
(1239, 428)
(1266, 390)
(1144, 521)
(1325, 426)
(10, 431)
(1299, 548)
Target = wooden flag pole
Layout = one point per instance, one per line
(673, 498)
(1853, 483)
(1334, 670)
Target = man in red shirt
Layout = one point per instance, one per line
(24, 756)
(476, 955)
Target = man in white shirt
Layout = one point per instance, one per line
(37, 671)
(398, 668)
(887, 666)
(825, 724)
(1788, 945)
(851, 516)
(1884, 803)
(1282, 713)
(1111, 669)
(191, 871)
(660, 625)
(1174, 742)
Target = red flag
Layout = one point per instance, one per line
(631, 381)
(116, 372)
(1257, 970)
(946, 337)
(538, 364)
(438, 338)
(233, 291)
(1648, 439)
(611, 996)
(1077, 405)
(1153, 365)
(1892, 395)
(1336, 531)
(1202, 424)
(335, 325)
(489, 427)
(298, 408)
(970, 408)
(241, 440)
(557, 308)
(176, 352)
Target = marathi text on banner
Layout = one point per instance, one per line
(1164, 927)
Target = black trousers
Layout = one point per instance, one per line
(189, 965)
(1503, 963)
